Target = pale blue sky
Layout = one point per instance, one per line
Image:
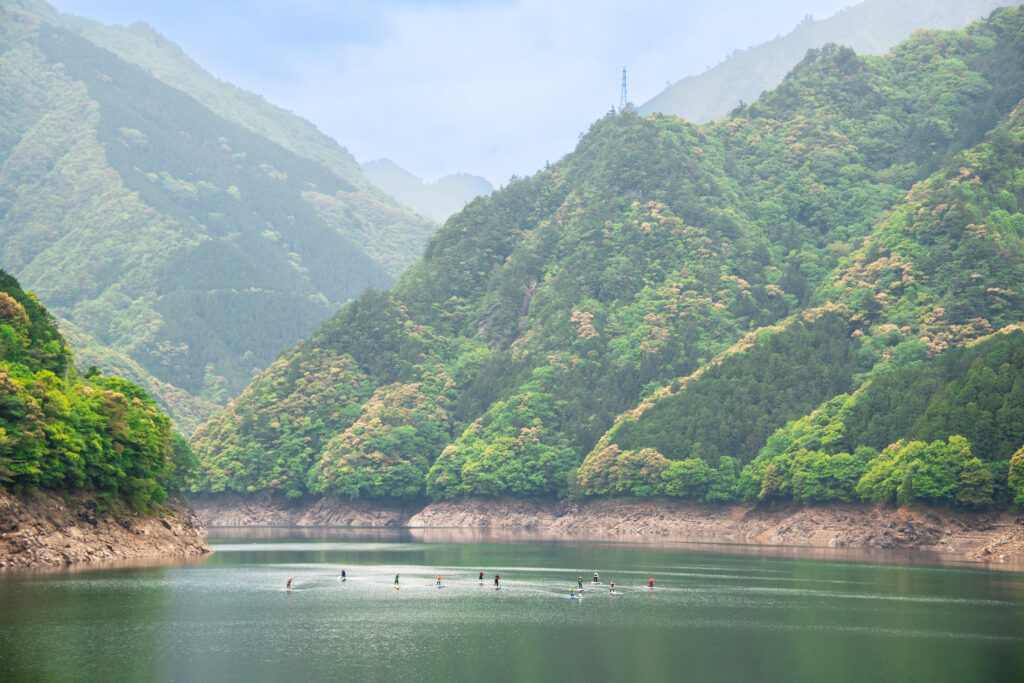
(491, 87)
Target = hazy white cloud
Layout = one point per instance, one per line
(494, 87)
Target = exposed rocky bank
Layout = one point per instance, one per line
(983, 536)
(232, 509)
(50, 530)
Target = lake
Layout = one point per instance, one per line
(716, 613)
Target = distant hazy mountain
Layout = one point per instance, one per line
(436, 200)
(179, 247)
(871, 27)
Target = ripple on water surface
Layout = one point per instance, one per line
(710, 616)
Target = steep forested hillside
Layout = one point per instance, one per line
(869, 27)
(388, 232)
(62, 431)
(646, 313)
(173, 241)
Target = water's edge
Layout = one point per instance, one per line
(52, 530)
(988, 537)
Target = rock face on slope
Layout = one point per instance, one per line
(50, 530)
(236, 510)
(978, 536)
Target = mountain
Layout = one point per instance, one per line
(387, 231)
(437, 200)
(62, 431)
(870, 27)
(649, 312)
(178, 246)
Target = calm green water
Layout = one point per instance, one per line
(712, 616)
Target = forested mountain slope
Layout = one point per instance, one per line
(862, 217)
(387, 231)
(869, 27)
(172, 240)
(66, 432)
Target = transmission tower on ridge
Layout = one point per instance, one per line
(623, 100)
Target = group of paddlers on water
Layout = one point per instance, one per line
(578, 588)
(497, 582)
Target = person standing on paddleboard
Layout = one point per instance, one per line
(289, 585)
(481, 577)
(496, 580)
(438, 580)
(650, 584)
(596, 578)
(396, 580)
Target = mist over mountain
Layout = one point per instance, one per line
(869, 27)
(436, 200)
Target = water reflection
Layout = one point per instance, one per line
(717, 613)
(103, 565)
(904, 556)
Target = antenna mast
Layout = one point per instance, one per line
(623, 100)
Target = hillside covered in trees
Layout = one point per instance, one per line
(62, 431)
(180, 246)
(715, 312)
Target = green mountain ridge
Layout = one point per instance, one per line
(183, 249)
(384, 228)
(862, 217)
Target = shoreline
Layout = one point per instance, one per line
(982, 537)
(50, 530)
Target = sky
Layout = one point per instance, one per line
(490, 87)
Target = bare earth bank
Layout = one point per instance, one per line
(985, 536)
(49, 530)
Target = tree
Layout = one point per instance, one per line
(1015, 477)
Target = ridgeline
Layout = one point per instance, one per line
(713, 313)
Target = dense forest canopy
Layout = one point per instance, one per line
(63, 431)
(643, 316)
